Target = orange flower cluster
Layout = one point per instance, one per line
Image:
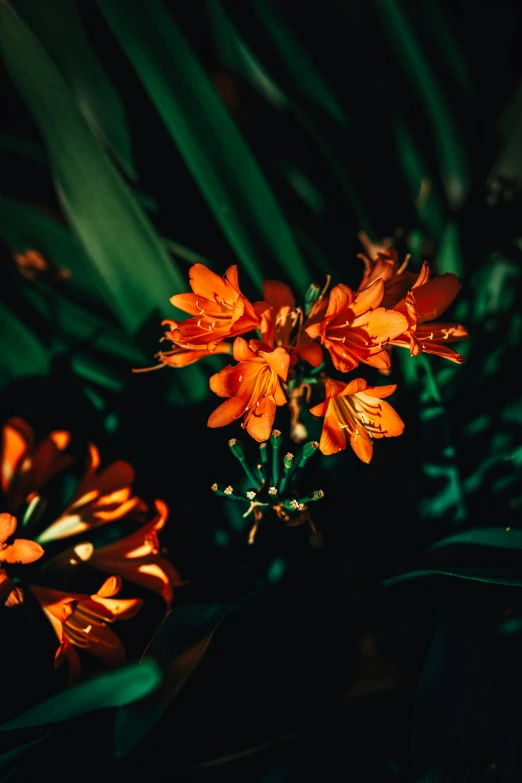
(80, 620)
(391, 307)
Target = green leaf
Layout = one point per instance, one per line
(496, 576)
(111, 689)
(497, 537)
(13, 755)
(111, 226)
(299, 64)
(451, 152)
(239, 59)
(59, 28)
(207, 138)
(178, 646)
(26, 356)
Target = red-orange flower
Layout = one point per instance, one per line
(396, 278)
(137, 557)
(178, 356)
(26, 467)
(282, 324)
(102, 497)
(427, 300)
(253, 387)
(218, 307)
(82, 621)
(355, 328)
(356, 413)
(18, 551)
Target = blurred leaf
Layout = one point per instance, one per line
(494, 286)
(422, 188)
(497, 537)
(299, 64)
(23, 353)
(15, 753)
(451, 151)
(23, 148)
(239, 59)
(449, 254)
(59, 28)
(185, 253)
(508, 165)
(447, 45)
(213, 149)
(103, 212)
(496, 576)
(111, 689)
(178, 646)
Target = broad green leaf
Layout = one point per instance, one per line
(23, 353)
(207, 138)
(496, 576)
(448, 46)
(299, 64)
(451, 152)
(496, 537)
(128, 260)
(111, 689)
(59, 27)
(449, 254)
(23, 148)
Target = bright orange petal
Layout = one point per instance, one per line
(21, 551)
(209, 285)
(380, 391)
(260, 423)
(369, 298)
(383, 325)
(17, 438)
(333, 438)
(311, 353)
(278, 360)
(362, 446)
(241, 351)
(224, 383)
(186, 303)
(228, 411)
(341, 298)
(7, 526)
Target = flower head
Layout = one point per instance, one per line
(26, 467)
(81, 621)
(395, 276)
(137, 557)
(19, 551)
(218, 307)
(282, 324)
(253, 387)
(425, 301)
(179, 356)
(356, 413)
(355, 328)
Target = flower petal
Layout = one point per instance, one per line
(229, 411)
(333, 438)
(312, 353)
(362, 446)
(261, 420)
(225, 382)
(278, 294)
(278, 360)
(21, 551)
(7, 526)
(433, 298)
(209, 285)
(186, 303)
(369, 298)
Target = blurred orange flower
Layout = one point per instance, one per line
(82, 621)
(253, 387)
(355, 328)
(218, 307)
(26, 467)
(19, 551)
(355, 413)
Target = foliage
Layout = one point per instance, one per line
(145, 137)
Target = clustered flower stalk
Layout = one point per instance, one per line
(298, 353)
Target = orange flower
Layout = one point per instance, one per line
(355, 412)
(179, 356)
(101, 497)
(27, 467)
(137, 557)
(81, 621)
(253, 387)
(355, 329)
(20, 551)
(219, 308)
(427, 300)
(281, 324)
(397, 280)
